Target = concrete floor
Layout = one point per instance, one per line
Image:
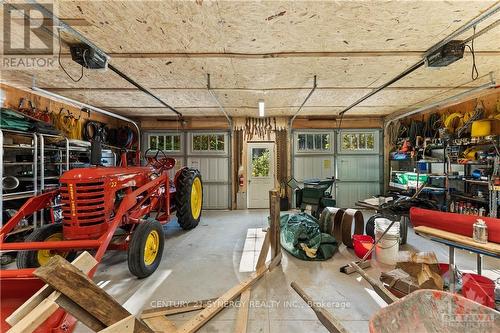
(203, 263)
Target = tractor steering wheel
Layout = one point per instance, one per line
(164, 162)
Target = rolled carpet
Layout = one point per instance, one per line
(456, 223)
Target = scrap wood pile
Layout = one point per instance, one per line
(414, 271)
(69, 288)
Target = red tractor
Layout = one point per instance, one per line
(103, 208)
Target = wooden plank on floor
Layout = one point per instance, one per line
(242, 317)
(378, 287)
(84, 262)
(160, 324)
(205, 315)
(176, 309)
(126, 325)
(331, 323)
(263, 252)
(78, 287)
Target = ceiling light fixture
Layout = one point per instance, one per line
(261, 108)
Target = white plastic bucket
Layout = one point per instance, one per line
(387, 249)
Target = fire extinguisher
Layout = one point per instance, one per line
(241, 180)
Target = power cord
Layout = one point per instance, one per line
(60, 64)
(475, 72)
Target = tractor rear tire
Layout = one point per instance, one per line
(189, 198)
(146, 248)
(37, 258)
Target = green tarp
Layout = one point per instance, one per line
(301, 236)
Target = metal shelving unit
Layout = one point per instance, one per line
(6, 168)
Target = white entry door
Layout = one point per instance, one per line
(260, 166)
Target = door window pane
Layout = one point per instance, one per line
(310, 141)
(220, 142)
(302, 141)
(177, 142)
(317, 142)
(153, 142)
(212, 142)
(168, 142)
(261, 160)
(362, 141)
(161, 142)
(204, 142)
(325, 138)
(370, 141)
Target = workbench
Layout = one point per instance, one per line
(456, 241)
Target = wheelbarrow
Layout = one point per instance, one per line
(435, 311)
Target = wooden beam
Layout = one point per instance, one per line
(378, 287)
(205, 315)
(263, 251)
(242, 317)
(126, 325)
(75, 285)
(331, 323)
(44, 302)
(160, 324)
(274, 223)
(176, 309)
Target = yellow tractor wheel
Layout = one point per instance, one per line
(189, 198)
(146, 248)
(36, 258)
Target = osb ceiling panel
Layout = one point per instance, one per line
(262, 73)
(269, 26)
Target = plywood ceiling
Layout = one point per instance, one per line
(267, 50)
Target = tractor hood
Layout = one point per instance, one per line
(105, 172)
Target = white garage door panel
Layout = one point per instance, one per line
(307, 167)
(359, 168)
(349, 193)
(215, 196)
(213, 169)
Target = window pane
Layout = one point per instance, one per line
(317, 142)
(302, 141)
(213, 142)
(261, 160)
(168, 142)
(177, 142)
(196, 142)
(310, 141)
(354, 141)
(153, 142)
(362, 141)
(370, 141)
(161, 142)
(204, 142)
(220, 142)
(346, 141)
(325, 138)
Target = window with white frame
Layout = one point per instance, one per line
(358, 141)
(165, 142)
(208, 142)
(313, 142)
